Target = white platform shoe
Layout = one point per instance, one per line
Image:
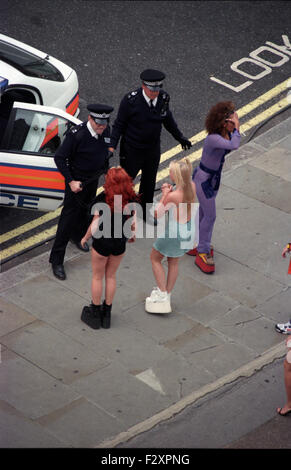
(158, 302)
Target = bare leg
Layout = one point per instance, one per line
(287, 378)
(98, 271)
(158, 270)
(173, 270)
(110, 277)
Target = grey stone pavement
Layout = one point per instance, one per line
(63, 384)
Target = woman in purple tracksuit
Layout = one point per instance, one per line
(222, 125)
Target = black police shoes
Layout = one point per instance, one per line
(59, 272)
(78, 245)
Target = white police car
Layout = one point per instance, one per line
(34, 77)
(30, 128)
(28, 175)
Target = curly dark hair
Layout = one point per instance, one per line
(217, 115)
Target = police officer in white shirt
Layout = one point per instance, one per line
(83, 154)
(138, 124)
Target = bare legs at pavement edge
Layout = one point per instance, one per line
(165, 284)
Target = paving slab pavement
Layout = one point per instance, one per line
(63, 384)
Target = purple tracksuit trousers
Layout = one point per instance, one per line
(207, 213)
(214, 150)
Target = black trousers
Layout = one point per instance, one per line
(133, 159)
(74, 220)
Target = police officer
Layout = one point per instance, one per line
(139, 123)
(83, 154)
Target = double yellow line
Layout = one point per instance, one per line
(45, 235)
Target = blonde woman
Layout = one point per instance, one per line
(177, 205)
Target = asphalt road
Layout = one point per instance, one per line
(233, 417)
(109, 43)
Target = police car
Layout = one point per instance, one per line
(35, 77)
(39, 102)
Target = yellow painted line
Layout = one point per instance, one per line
(30, 225)
(162, 174)
(28, 243)
(263, 98)
(280, 105)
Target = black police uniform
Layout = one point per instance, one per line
(79, 158)
(139, 127)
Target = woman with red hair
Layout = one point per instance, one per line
(108, 249)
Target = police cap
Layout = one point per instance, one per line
(153, 79)
(100, 112)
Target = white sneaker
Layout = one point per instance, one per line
(284, 328)
(157, 295)
(158, 302)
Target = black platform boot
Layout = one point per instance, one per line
(106, 315)
(91, 315)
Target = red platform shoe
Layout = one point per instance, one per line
(194, 251)
(205, 262)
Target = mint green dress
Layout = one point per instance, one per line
(175, 237)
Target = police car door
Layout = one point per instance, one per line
(28, 174)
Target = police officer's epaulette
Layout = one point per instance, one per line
(74, 131)
(132, 95)
(165, 96)
(77, 128)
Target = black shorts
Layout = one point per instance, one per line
(109, 246)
